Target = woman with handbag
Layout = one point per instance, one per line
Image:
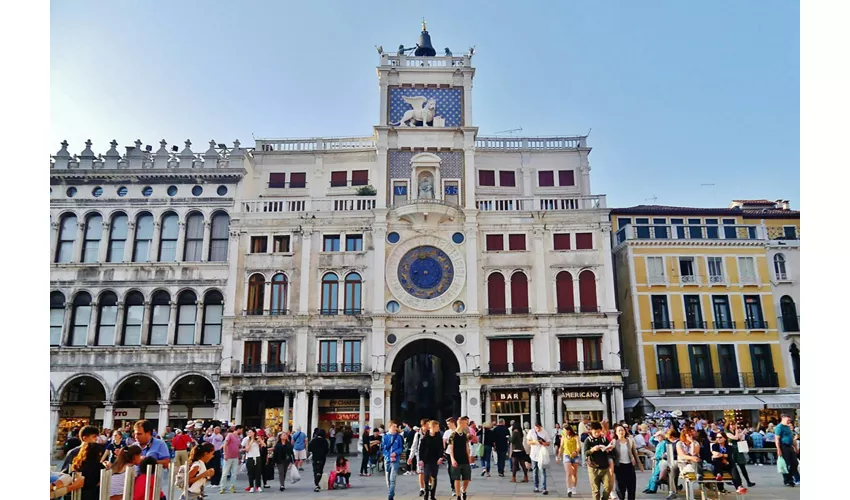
(539, 442)
(737, 441)
(626, 459)
(518, 453)
(283, 456)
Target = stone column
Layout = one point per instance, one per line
(205, 251)
(199, 322)
(608, 299)
(469, 177)
(379, 242)
(559, 410)
(78, 242)
(508, 296)
(388, 406)
(464, 404)
(108, 417)
(66, 323)
(361, 417)
(617, 404)
(181, 240)
(380, 181)
(527, 183)
(237, 418)
(487, 417)
(54, 424)
(314, 417)
(119, 324)
(533, 407)
(382, 119)
(549, 415)
(576, 294)
(91, 336)
(580, 353)
(304, 286)
(146, 325)
(129, 243)
(104, 243)
(230, 304)
(163, 416)
(224, 410)
(54, 243)
(172, 323)
(153, 251)
(472, 271)
(300, 411)
(605, 412)
(285, 425)
(539, 284)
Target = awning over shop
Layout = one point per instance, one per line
(696, 403)
(777, 401)
(584, 405)
(628, 404)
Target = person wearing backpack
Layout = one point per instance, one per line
(193, 476)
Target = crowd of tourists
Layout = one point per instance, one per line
(209, 457)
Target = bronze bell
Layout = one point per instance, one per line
(424, 47)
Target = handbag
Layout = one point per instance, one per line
(544, 459)
(243, 469)
(743, 447)
(294, 475)
(781, 466)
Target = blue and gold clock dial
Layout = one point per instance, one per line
(425, 272)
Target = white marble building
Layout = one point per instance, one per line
(418, 271)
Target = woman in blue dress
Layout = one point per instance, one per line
(659, 440)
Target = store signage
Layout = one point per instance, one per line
(335, 403)
(120, 414)
(499, 396)
(345, 417)
(75, 412)
(582, 395)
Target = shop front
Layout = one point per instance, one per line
(76, 417)
(579, 404)
(121, 417)
(510, 405)
(741, 409)
(775, 405)
(274, 419)
(343, 413)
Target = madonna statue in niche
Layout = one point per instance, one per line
(426, 186)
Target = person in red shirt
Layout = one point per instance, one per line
(180, 443)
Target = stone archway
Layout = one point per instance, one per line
(426, 383)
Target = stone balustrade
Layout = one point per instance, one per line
(544, 203)
(284, 205)
(530, 143)
(328, 144)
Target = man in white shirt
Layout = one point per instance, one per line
(539, 442)
(450, 422)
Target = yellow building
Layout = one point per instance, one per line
(702, 331)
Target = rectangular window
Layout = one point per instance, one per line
(623, 222)
(642, 228)
(327, 356)
(106, 328)
(351, 356)
(694, 229)
(693, 312)
(722, 312)
(277, 356)
(752, 308)
(747, 269)
(495, 242)
(790, 232)
(211, 334)
(298, 179)
(259, 244)
(562, 241)
(545, 178)
(569, 354)
(712, 231)
(715, 270)
(498, 355)
(339, 179)
(592, 353)
(359, 177)
(280, 244)
(486, 177)
(728, 366)
(655, 270)
(566, 178)
(668, 367)
(133, 325)
(584, 241)
(353, 242)
(331, 243)
(679, 228)
(661, 230)
(252, 361)
(702, 375)
(687, 271)
(160, 315)
(399, 191)
(507, 178)
(763, 373)
(522, 355)
(730, 231)
(186, 314)
(516, 241)
(751, 233)
(194, 240)
(660, 313)
(57, 320)
(277, 180)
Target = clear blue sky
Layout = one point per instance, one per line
(677, 94)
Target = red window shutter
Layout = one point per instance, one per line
(562, 241)
(506, 178)
(519, 293)
(566, 178)
(496, 294)
(252, 353)
(545, 178)
(277, 180)
(298, 179)
(569, 354)
(564, 289)
(495, 242)
(498, 355)
(339, 179)
(359, 177)
(584, 241)
(587, 291)
(516, 241)
(486, 178)
(522, 354)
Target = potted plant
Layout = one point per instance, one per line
(367, 191)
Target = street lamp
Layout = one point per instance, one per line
(624, 370)
(376, 375)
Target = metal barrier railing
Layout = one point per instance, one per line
(152, 485)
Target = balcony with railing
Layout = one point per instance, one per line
(511, 311)
(530, 143)
(716, 279)
(663, 324)
(352, 368)
(760, 380)
(253, 368)
(689, 232)
(790, 324)
(266, 312)
(315, 144)
(668, 381)
(723, 380)
(690, 280)
(540, 203)
(725, 325)
(756, 324)
(580, 366)
(338, 312)
(295, 205)
(577, 310)
(693, 324)
(787, 233)
(406, 61)
(327, 367)
(520, 367)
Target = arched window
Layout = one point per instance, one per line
(160, 316)
(218, 237)
(213, 309)
(519, 293)
(496, 294)
(795, 362)
(57, 317)
(91, 242)
(134, 313)
(187, 314)
(168, 238)
(143, 238)
(67, 235)
(193, 248)
(587, 291)
(564, 293)
(353, 285)
(106, 319)
(330, 292)
(256, 294)
(779, 266)
(279, 286)
(117, 238)
(790, 320)
(80, 319)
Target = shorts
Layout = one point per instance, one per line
(463, 472)
(570, 460)
(300, 454)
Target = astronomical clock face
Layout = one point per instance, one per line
(426, 273)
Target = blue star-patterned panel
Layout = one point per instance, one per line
(449, 103)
